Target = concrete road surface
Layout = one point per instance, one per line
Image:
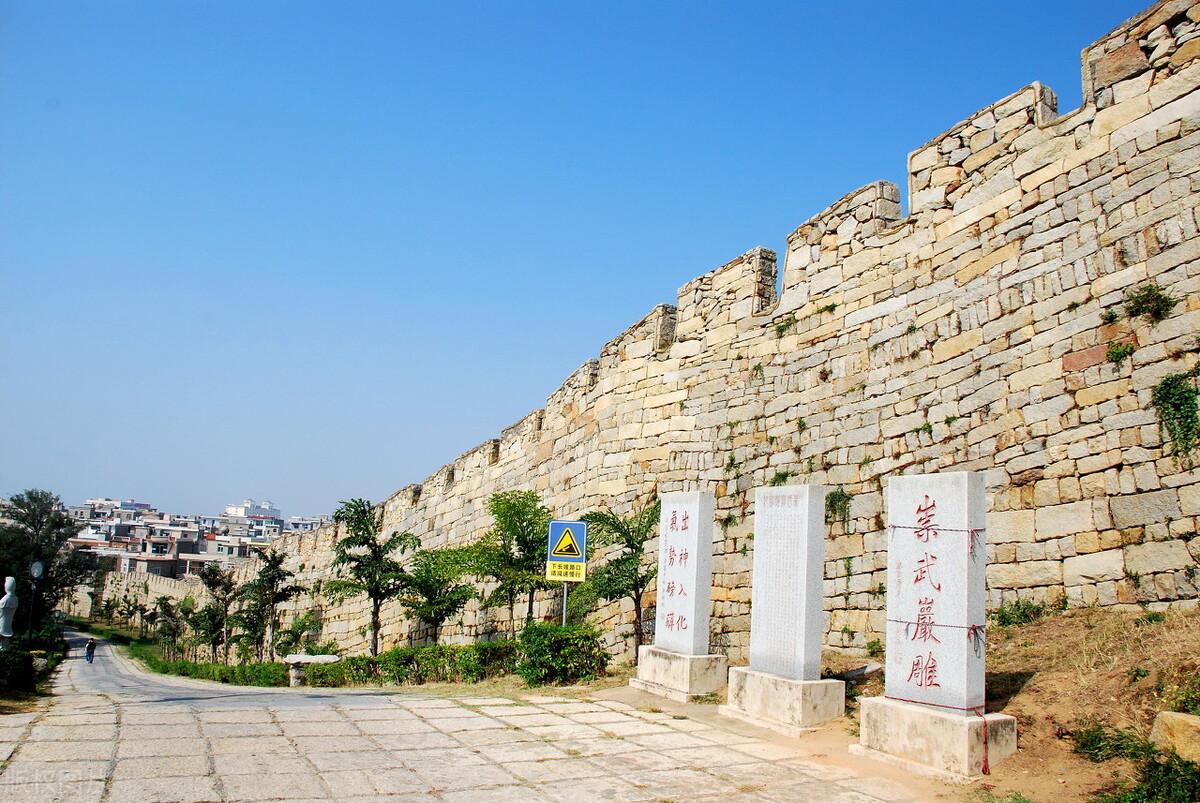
(116, 734)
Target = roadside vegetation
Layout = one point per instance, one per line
(34, 537)
(236, 635)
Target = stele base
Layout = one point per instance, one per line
(930, 741)
(676, 676)
(784, 705)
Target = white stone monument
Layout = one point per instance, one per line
(782, 689)
(678, 666)
(932, 715)
(8, 610)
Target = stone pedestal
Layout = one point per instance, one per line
(784, 705)
(677, 676)
(926, 740)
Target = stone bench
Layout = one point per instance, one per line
(296, 664)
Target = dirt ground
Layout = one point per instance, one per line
(1067, 669)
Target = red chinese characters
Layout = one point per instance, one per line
(676, 622)
(926, 528)
(922, 572)
(924, 671)
(923, 631)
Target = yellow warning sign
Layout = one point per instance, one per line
(567, 546)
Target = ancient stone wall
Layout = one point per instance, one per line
(970, 335)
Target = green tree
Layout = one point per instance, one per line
(629, 573)
(430, 588)
(168, 627)
(263, 595)
(300, 633)
(224, 592)
(365, 560)
(210, 626)
(35, 527)
(513, 551)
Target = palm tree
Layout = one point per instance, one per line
(365, 556)
(431, 592)
(513, 552)
(627, 574)
(264, 594)
(224, 592)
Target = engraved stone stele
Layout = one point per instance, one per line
(932, 716)
(678, 666)
(782, 689)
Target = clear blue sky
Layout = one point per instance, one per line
(304, 251)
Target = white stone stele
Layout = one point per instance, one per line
(933, 714)
(936, 590)
(678, 666)
(787, 595)
(782, 689)
(930, 741)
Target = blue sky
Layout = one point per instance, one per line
(305, 251)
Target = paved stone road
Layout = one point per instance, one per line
(115, 734)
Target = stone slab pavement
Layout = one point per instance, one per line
(114, 733)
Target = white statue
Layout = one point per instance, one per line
(8, 607)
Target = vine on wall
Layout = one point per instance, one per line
(1174, 399)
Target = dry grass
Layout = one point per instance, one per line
(1087, 665)
(19, 702)
(1112, 666)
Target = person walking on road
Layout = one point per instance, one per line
(90, 650)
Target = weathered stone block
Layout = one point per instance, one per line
(1025, 575)
(1118, 65)
(1059, 520)
(1094, 567)
(1177, 732)
(1156, 556)
(1139, 510)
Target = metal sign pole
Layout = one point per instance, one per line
(566, 587)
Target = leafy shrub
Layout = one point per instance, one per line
(1149, 300)
(1018, 612)
(254, 674)
(326, 674)
(16, 670)
(1118, 352)
(497, 657)
(1183, 697)
(1164, 779)
(837, 506)
(1176, 402)
(560, 654)
(1099, 743)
